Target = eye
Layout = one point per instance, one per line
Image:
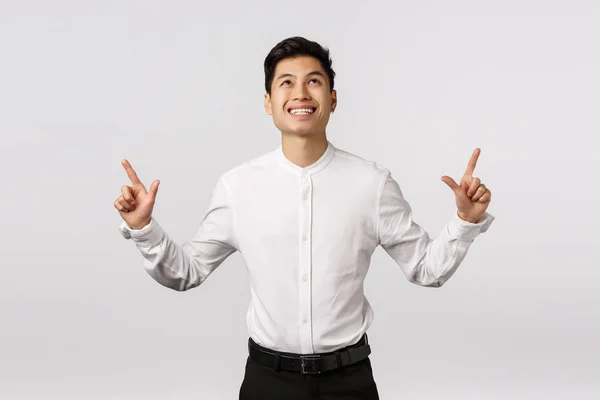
(285, 82)
(314, 80)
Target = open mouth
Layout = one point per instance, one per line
(302, 111)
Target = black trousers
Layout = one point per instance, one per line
(352, 382)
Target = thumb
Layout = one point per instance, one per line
(154, 189)
(450, 182)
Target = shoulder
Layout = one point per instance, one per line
(243, 171)
(359, 164)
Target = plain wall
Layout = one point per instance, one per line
(177, 88)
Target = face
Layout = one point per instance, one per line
(300, 100)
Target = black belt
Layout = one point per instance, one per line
(309, 363)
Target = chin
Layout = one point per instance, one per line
(300, 129)
(301, 132)
(307, 130)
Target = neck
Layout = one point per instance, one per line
(303, 150)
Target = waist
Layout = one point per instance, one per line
(314, 363)
(361, 342)
(287, 330)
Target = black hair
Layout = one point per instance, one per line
(294, 47)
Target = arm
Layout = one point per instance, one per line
(424, 261)
(183, 267)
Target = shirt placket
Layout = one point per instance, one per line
(305, 270)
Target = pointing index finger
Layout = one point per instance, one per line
(130, 172)
(472, 162)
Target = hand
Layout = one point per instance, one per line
(135, 204)
(472, 196)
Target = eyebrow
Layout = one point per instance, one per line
(287, 75)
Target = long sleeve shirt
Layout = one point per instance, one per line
(306, 236)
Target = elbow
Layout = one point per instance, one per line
(185, 284)
(427, 281)
(173, 281)
(181, 276)
(423, 276)
(181, 286)
(428, 273)
(435, 284)
(178, 285)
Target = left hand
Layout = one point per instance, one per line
(472, 196)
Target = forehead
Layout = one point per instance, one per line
(300, 65)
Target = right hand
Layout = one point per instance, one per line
(135, 204)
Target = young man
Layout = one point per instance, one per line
(307, 217)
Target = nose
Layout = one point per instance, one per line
(300, 93)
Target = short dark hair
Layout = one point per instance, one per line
(294, 47)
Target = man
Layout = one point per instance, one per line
(306, 217)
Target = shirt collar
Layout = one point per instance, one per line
(311, 169)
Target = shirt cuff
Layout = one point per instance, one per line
(468, 231)
(148, 236)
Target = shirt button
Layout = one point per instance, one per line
(305, 320)
(306, 197)
(304, 238)
(305, 278)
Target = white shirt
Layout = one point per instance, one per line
(306, 236)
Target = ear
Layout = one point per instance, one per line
(333, 99)
(268, 107)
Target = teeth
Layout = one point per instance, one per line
(297, 111)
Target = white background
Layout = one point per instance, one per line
(177, 88)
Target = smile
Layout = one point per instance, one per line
(302, 111)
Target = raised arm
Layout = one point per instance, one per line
(426, 261)
(185, 266)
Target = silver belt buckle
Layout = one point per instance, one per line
(303, 365)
